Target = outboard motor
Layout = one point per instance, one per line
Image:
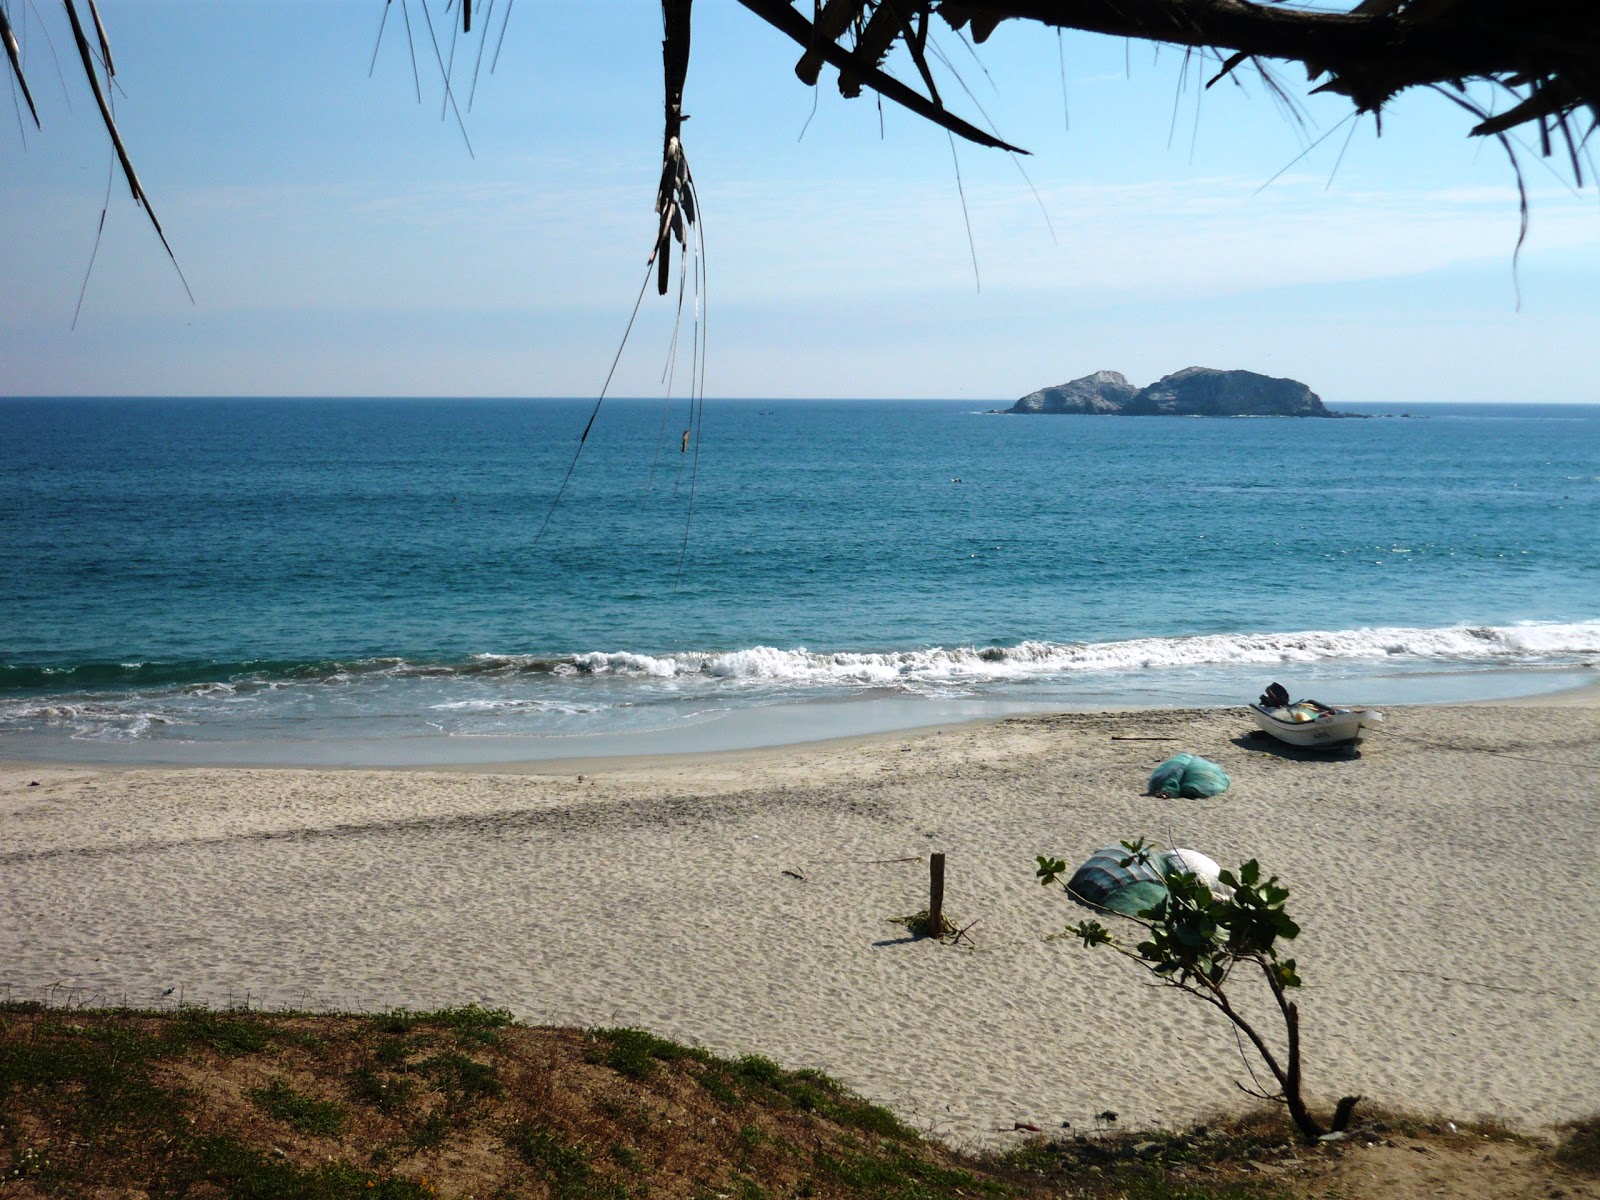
(1276, 696)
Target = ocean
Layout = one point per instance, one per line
(369, 582)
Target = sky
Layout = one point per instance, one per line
(340, 237)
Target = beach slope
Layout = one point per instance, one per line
(1444, 879)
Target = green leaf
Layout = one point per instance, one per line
(1138, 852)
(1092, 932)
(1049, 869)
(1156, 912)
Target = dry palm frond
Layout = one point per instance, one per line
(678, 222)
(781, 15)
(105, 43)
(86, 57)
(14, 55)
(675, 198)
(833, 19)
(445, 58)
(1545, 52)
(876, 36)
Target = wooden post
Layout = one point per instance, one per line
(936, 896)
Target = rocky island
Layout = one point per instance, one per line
(1191, 392)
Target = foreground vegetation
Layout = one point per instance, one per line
(465, 1103)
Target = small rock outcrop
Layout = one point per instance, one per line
(1191, 392)
(1102, 392)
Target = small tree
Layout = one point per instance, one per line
(1194, 941)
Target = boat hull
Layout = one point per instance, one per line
(1337, 728)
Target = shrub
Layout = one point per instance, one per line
(1194, 940)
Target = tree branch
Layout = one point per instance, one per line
(786, 20)
(1372, 51)
(1548, 50)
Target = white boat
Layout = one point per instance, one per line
(1308, 723)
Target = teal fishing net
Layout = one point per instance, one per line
(1189, 776)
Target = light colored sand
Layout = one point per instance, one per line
(1446, 879)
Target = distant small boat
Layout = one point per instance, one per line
(1308, 722)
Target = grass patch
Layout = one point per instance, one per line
(1201, 1146)
(386, 1093)
(720, 1087)
(91, 1085)
(226, 1033)
(1205, 1162)
(149, 1101)
(398, 1020)
(1155, 1183)
(563, 1166)
(812, 1091)
(557, 1160)
(627, 1157)
(754, 1077)
(245, 1173)
(391, 1051)
(431, 1132)
(462, 1079)
(754, 1068)
(920, 925)
(320, 1118)
(1579, 1148)
(869, 1118)
(95, 1114)
(900, 1176)
(470, 1022)
(29, 1162)
(635, 1052)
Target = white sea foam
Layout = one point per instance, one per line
(625, 663)
(130, 720)
(215, 689)
(500, 704)
(1515, 644)
(608, 690)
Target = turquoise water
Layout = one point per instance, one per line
(366, 580)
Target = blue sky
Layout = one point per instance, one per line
(340, 239)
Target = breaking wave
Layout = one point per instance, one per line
(1464, 644)
(1531, 644)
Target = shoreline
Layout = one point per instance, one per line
(752, 731)
(744, 902)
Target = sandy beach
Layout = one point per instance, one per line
(1445, 879)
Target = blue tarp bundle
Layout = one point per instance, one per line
(1103, 882)
(1189, 776)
